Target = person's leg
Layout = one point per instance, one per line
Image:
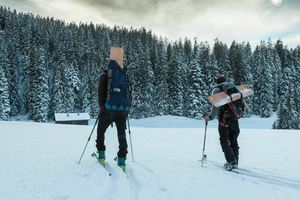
(103, 124)
(120, 120)
(224, 141)
(233, 136)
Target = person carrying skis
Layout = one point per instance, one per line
(107, 117)
(228, 128)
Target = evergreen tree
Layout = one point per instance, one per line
(4, 87)
(221, 54)
(175, 81)
(248, 78)
(287, 114)
(296, 63)
(65, 82)
(209, 78)
(276, 69)
(12, 72)
(25, 43)
(161, 87)
(197, 100)
(263, 87)
(238, 63)
(75, 54)
(38, 92)
(4, 96)
(142, 86)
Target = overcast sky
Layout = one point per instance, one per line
(228, 20)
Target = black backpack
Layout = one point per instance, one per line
(236, 106)
(118, 88)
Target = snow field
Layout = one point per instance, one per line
(40, 161)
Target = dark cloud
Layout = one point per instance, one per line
(124, 6)
(241, 20)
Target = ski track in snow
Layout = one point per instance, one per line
(129, 185)
(262, 175)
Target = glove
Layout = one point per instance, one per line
(102, 109)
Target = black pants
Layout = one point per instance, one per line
(106, 118)
(228, 140)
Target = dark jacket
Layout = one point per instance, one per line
(102, 88)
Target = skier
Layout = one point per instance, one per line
(228, 128)
(107, 117)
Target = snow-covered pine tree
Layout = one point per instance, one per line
(255, 65)
(209, 79)
(94, 72)
(283, 54)
(4, 96)
(296, 97)
(238, 63)
(26, 37)
(64, 84)
(12, 72)
(263, 89)
(161, 96)
(296, 63)
(38, 92)
(197, 100)
(175, 81)
(271, 62)
(276, 73)
(4, 88)
(94, 77)
(287, 114)
(59, 97)
(186, 53)
(153, 55)
(249, 76)
(221, 53)
(142, 77)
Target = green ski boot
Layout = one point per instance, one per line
(101, 157)
(121, 162)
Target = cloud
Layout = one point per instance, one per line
(277, 2)
(240, 20)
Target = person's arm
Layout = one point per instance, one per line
(102, 90)
(214, 110)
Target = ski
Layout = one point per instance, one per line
(223, 98)
(218, 165)
(101, 162)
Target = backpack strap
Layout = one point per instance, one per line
(234, 111)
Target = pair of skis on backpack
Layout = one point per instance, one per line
(101, 160)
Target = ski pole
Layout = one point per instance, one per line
(130, 139)
(89, 138)
(204, 144)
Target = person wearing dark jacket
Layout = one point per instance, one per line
(107, 117)
(228, 128)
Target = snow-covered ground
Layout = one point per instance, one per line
(40, 161)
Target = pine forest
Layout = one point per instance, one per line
(49, 66)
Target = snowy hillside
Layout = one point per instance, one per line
(40, 161)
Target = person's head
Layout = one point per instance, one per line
(220, 79)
